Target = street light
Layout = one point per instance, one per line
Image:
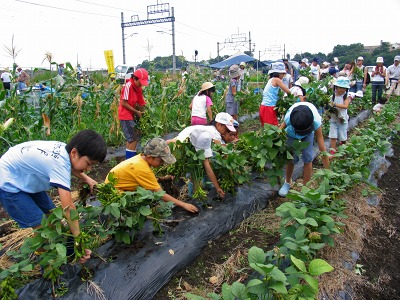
(132, 34)
(123, 45)
(173, 47)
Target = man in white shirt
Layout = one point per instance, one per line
(393, 77)
(6, 79)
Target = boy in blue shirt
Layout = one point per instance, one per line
(29, 169)
(301, 121)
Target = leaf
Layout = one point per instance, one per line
(319, 266)
(278, 275)
(114, 210)
(227, 292)
(313, 282)
(193, 297)
(279, 287)
(299, 264)
(239, 290)
(145, 211)
(256, 255)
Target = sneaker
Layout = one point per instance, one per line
(284, 189)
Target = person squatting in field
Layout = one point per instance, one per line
(270, 94)
(29, 169)
(137, 171)
(130, 106)
(201, 104)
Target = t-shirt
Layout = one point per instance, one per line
(133, 95)
(341, 112)
(6, 77)
(134, 172)
(289, 128)
(185, 133)
(35, 166)
(199, 106)
(287, 80)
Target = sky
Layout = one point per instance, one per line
(78, 31)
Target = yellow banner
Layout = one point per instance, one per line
(109, 56)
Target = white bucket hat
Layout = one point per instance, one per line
(379, 59)
(277, 67)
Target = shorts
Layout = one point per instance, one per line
(268, 115)
(25, 208)
(232, 108)
(130, 132)
(307, 154)
(198, 121)
(338, 131)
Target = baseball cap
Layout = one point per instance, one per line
(302, 80)
(360, 58)
(157, 147)
(302, 119)
(397, 57)
(201, 140)
(143, 76)
(225, 119)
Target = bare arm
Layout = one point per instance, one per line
(209, 112)
(125, 105)
(85, 178)
(282, 86)
(67, 205)
(321, 147)
(187, 206)
(211, 175)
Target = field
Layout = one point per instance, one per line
(350, 236)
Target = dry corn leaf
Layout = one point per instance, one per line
(46, 123)
(187, 286)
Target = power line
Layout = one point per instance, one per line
(66, 9)
(96, 4)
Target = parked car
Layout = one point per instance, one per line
(123, 72)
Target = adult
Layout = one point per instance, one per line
(303, 64)
(315, 69)
(22, 79)
(393, 77)
(290, 66)
(358, 78)
(61, 69)
(131, 104)
(324, 69)
(79, 72)
(232, 105)
(6, 79)
(242, 71)
(184, 74)
(378, 77)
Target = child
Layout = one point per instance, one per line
(137, 171)
(218, 127)
(298, 91)
(381, 103)
(232, 106)
(132, 95)
(287, 79)
(29, 169)
(301, 121)
(201, 139)
(339, 118)
(201, 104)
(270, 94)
